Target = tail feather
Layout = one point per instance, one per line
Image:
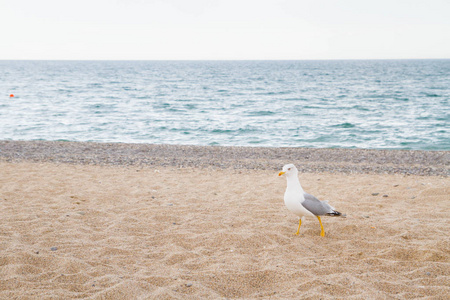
(335, 213)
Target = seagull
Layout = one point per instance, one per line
(301, 203)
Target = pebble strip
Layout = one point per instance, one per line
(410, 162)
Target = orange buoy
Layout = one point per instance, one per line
(12, 95)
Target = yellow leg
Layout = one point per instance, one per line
(322, 232)
(299, 224)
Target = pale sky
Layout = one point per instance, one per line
(224, 29)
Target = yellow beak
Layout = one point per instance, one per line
(281, 173)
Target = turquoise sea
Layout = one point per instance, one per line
(374, 104)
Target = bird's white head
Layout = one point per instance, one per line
(289, 170)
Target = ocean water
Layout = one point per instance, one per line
(372, 104)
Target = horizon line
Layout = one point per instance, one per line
(307, 59)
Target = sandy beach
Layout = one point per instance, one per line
(124, 221)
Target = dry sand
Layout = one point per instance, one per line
(160, 232)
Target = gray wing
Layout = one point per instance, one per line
(317, 207)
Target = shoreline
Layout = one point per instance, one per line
(307, 160)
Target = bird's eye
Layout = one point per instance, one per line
(289, 169)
